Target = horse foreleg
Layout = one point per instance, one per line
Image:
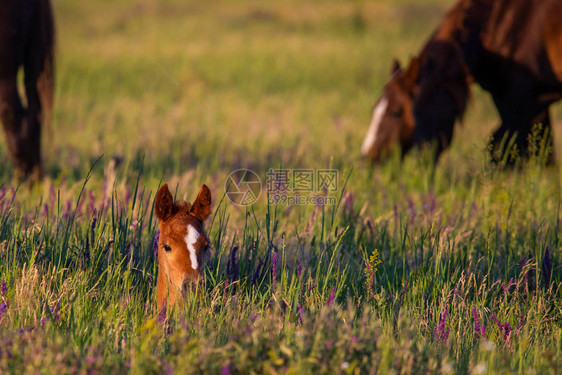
(542, 137)
(501, 145)
(531, 136)
(11, 116)
(31, 126)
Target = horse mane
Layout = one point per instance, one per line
(446, 57)
(443, 68)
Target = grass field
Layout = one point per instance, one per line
(416, 269)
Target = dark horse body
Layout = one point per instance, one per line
(26, 41)
(512, 48)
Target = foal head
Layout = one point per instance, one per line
(393, 115)
(183, 245)
(420, 104)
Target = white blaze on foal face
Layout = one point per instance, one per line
(378, 114)
(191, 239)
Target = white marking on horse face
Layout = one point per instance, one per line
(190, 239)
(372, 133)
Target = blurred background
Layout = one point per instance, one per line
(209, 87)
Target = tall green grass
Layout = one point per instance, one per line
(289, 290)
(464, 283)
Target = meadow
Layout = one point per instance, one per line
(417, 268)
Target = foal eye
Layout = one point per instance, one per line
(397, 113)
(167, 248)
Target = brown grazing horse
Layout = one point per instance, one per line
(183, 246)
(512, 48)
(26, 40)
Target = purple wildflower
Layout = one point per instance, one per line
(413, 211)
(4, 288)
(257, 273)
(332, 297)
(476, 321)
(163, 312)
(155, 243)
(300, 310)
(546, 269)
(299, 271)
(91, 202)
(226, 283)
(3, 308)
(504, 328)
(56, 311)
(86, 254)
(93, 227)
(90, 360)
(22, 330)
(127, 250)
(442, 332)
(68, 209)
(52, 196)
(432, 201)
(510, 283)
(274, 271)
(506, 331)
(226, 369)
(127, 196)
(80, 204)
(252, 252)
(495, 320)
(479, 329)
(404, 292)
(526, 265)
(348, 203)
(232, 266)
(320, 199)
(521, 322)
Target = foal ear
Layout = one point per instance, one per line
(201, 208)
(413, 70)
(396, 67)
(164, 203)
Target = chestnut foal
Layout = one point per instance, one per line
(183, 246)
